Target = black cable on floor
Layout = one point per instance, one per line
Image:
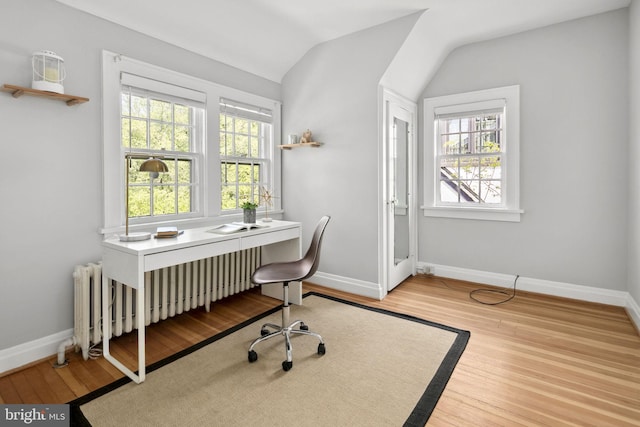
(495, 291)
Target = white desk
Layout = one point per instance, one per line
(127, 262)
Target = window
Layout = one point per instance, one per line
(192, 124)
(245, 141)
(472, 155)
(171, 128)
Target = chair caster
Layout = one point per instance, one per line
(253, 356)
(321, 349)
(287, 365)
(304, 327)
(264, 331)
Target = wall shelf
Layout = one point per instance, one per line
(18, 91)
(304, 144)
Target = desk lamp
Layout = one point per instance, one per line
(154, 167)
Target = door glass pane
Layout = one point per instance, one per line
(401, 185)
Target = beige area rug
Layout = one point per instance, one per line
(380, 369)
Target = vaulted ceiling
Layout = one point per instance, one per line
(267, 37)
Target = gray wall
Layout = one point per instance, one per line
(574, 142)
(333, 91)
(51, 177)
(634, 154)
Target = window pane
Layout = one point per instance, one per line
(138, 134)
(450, 126)
(184, 171)
(491, 191)
(139, 201)
(182, 114)
(228, 173)
(183, 138)
(465, 124)
(242, 126)
(476, 144)
(184, 199)
(164, 200)
(160, 138)
(160, 110)
(244, 193)
(490, 142)
(466, 145)
(125, 131)
(169, 176)
(490, 168)
(135, 176)
(225, 144)
(469, 167)
(124, 104)
(244, 174)
(450, 144)
(228, 194)
(449, 192)
(450, 163)
(138, 106)
(242, 146)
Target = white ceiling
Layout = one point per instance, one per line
(267, 37)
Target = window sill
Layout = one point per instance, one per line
(486, 214)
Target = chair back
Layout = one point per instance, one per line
(312, 257)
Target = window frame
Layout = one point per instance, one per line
(464, 103)
(195, 155)
(113, 65)
(241, 111)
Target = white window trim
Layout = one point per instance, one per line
(510, 210)
(113, 65)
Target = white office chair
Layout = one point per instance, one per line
(285, 272)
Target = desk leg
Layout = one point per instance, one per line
(106, 332)
(106, 317)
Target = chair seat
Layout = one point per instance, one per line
(280, 272)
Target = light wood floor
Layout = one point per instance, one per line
(532, 361)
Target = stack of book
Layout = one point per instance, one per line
(166, 232)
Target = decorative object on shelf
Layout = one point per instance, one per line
(293, 139)
(306, 137)
(48, 71)
(18, 91)
(154, 166)
(249, 212)
(267, 197)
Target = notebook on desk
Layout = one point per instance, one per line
(235, 227)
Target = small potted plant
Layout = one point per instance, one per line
(249, 210)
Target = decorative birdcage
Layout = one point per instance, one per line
(48, 71)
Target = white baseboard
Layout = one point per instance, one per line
(23, 354)
(347, 284)
(633, 311)
(547, 287)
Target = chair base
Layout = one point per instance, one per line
(285, 331)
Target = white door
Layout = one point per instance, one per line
(400, 200)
